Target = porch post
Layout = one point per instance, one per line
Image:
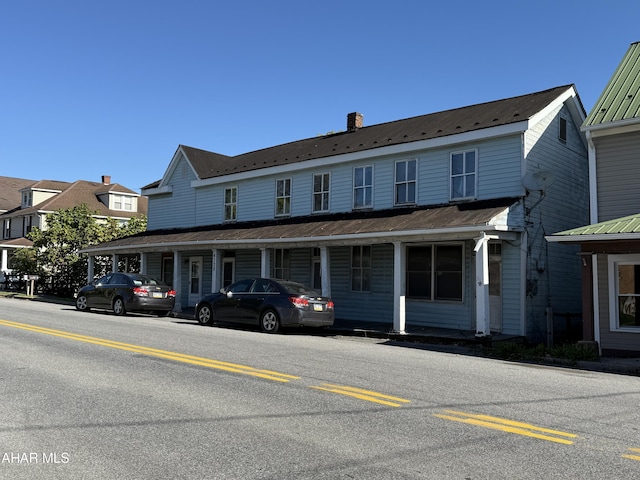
(114, 263)
(4, 262)
(143, 262)
(216, 265)
(483, 322)
(399, 288)
(325, 273)
(90, 268)
(265, 262)
(177, 276)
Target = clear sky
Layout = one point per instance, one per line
(91, 88)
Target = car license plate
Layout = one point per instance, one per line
(317, 307)
(157, 295)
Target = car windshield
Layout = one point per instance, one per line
(142, 280)
(298, 289)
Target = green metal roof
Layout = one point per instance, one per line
(617, 226)
(620, 100)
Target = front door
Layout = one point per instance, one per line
(195, 280)
(495, 286)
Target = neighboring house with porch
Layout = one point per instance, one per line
(610, 245)
(25, 204)
(436, 220)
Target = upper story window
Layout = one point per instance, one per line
(405, 182)
(230, 204)
(6, 232)
(283, 197)
(361, 268)
(562, 130)
(464, 168)
(26, 225)
(27, 199)
(363, 187)
(320, 192)
(123, 202)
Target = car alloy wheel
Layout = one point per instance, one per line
(269, 322)
(81, 303)
(204, 315)
(118, 307)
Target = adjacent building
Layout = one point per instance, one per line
(437, 220)
(25, 204)
(610, 244)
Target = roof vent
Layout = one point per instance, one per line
(354, 121)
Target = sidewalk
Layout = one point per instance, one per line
(454, 341)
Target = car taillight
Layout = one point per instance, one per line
(140, 291)
(171, 293)
(330, 304)
(299, 302)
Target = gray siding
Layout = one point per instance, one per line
(553, 270)
(617, 168)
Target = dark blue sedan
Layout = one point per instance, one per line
(269, 303)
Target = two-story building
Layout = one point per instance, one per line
(610, 245)
(437, 220)
(26, 204)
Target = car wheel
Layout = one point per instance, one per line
(269, 322)
(118, 307)
(81, 303)
(204, 315)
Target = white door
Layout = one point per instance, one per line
(495, 287)
(195, 280)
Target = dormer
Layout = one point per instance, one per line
(116, 197)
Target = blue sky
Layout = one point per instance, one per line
(93, 88)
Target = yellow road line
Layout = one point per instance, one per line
(510, 426)
(368, 395)
(633, 457)
(179, 357)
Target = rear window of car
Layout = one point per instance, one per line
(141, 281)
(298, 288)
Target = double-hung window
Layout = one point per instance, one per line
(435, 272)
(464, 174)
(363, 187)
(283, 197)
(230, 204)
(320, 192)
(122, 202)
(624, 292)
(406, 182)
(281, 263)
(361, 268)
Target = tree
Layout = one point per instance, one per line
(57, 248)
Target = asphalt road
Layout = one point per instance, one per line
(92, 395)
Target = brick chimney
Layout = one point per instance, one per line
(106, 179)
(354, 121)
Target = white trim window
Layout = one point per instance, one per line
(281, 263)
(7, 229)
(464, 174)
(283, 197)
(363, 187)
(361, 268)
(123, 202)
(26, 225)
(405, 186)
(624, 292)
(435, 272)
(320, 192)
(230, 204)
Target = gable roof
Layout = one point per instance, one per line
(10, 192)
(80, 192)
(620, 100)
(424, 127)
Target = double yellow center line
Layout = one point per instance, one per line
(179, 357)
(510, 426)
